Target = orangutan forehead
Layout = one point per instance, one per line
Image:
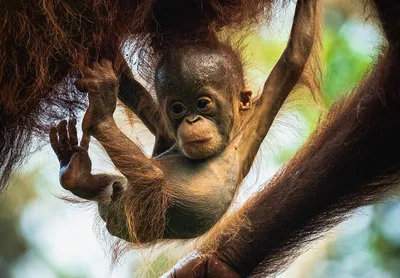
(209, 67)
(198, 67)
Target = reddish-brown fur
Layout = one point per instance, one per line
(324, 181)
(352, 160)
(42, 42)
(158, 197)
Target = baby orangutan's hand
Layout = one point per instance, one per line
(101, 83)
(75, 164)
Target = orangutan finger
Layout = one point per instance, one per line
(72, 133)
(62, 133)
(85, 140)
(86, 84)
(53, 138)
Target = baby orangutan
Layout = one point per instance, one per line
(216, 131)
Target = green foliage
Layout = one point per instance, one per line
(344, 66)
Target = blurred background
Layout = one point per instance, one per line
(43, 236)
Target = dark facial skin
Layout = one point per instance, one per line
(196, 101)
(216, 133)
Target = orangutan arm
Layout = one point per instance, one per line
(139, 100)
(351, 161)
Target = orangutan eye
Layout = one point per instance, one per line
(203, 103)
(178, 108)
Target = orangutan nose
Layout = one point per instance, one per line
(191, 119)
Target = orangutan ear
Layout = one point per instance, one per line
(245, 99)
